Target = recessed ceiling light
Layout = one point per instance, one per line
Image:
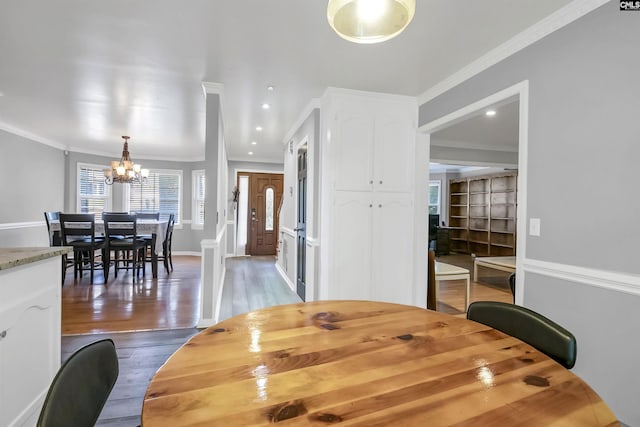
(270, 88)
(266, 106)
(491, 113)
(251, 153)
(259, 128)
(254, 143)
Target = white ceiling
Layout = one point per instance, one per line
(80, 74)
(498, 132)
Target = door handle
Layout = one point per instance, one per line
(298, 229)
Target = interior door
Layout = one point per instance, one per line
(265, 193)
(301, 225)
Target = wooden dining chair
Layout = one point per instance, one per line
(81, 387)
(122, 239)
(432, 303)
(78, 231)
(528, 326)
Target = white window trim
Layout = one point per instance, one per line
(194, 209)
(108, 198)
(126, 194)
(436, 183)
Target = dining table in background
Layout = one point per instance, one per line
(368, 364)
(155, 228)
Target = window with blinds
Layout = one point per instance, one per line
(198, 193)
(161, 192)
(93, 194)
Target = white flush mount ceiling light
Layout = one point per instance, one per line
(370, 21)
(490, 113)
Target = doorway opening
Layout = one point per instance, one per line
(478, 166)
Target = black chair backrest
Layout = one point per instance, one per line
(119, 225)
(54, 236)
(114, 213)
(76, 226)
(147, 215)
(81, 387)
(528, 326)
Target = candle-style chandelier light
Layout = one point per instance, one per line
(125, 171)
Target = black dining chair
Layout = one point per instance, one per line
(166, 244)
(55, 239)
(78, 231)
(81, 387)
(127, 246)
(528, 326)
(154, 216)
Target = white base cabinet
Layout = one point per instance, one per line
(29, 338)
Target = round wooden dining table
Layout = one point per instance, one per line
(367, 364)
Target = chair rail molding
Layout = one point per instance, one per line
(16, 225)
(611, 280)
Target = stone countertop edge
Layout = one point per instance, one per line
(14, 257)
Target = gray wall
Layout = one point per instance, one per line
(32, 177)
(584, 99)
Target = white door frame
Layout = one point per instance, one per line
(519, 91)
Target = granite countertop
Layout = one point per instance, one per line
(13, 257)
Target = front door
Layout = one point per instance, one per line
(301, 226)
(265, 194)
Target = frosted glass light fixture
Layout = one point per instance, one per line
(370, 21)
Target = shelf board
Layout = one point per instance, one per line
(479, 217)
(457, 228)
(459, 206)
(484, 205)
(503, 191)
(459, 194)
(479, 229)
(503, 232)
(479, 242)
(502, 245)
(455, 216)
(505, 218)
(502, 204)
(478, 192)
(458, 238)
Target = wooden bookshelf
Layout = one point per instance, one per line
(482, 214)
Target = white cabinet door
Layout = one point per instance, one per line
(29, 338)
(392, 263)
(352, 152)
(350, 268)
(394, 150)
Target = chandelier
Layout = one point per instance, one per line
(125, 171)
(370, 21)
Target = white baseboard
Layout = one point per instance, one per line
(283, 273)
(187, 253)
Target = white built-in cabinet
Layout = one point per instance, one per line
(30, 310)
(367, 212)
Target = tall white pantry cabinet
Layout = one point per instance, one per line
(367, 196)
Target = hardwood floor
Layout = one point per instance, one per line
(162, 313)
(250, 283)
(168, 302)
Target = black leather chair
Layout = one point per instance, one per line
(528, 326)
(81, 387)
(78, 230)
(166, 244)
(122, 239)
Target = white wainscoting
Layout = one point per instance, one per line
(24, 234)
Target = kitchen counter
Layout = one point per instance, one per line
(14, 257)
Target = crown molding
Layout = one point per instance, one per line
(306, 112)
(562, 17)
(470, 145)
(32, 137)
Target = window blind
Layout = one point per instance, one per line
(94, 195)
(160, 193)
